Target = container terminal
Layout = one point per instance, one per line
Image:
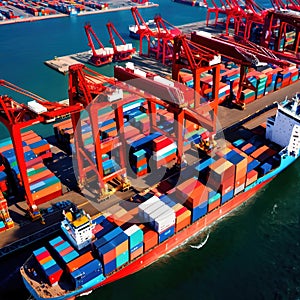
(29, 11)
(237, 85)
(266, 85)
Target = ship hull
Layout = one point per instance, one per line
(176, 240)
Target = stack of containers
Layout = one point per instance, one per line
(247, 96)
(8, 222)
(3, 181)
(264, 155)
(283, 79)
(240, 162)
(49, 266)
(164, 151)
(39, 146)
(248, 148)
(113, 249)
(45, 189)
(109, 166)
(258, 81)
(183, 215)
(109, 127)
(130, 131)
(160, 217)
(222, 177)
(150, 237)
(138, 162)
(87, 272)
(136, 239)
(294, 73)
(65, 251)
(271, 74)
(231, 77)
(194, 195)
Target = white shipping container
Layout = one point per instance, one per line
(129, 65)
(239, 189)
(36, 107)
(139, 72)
(163, 81)
(158, 212)
(162, 224)
(132, 229)
(151, 209)
(148, 202)
(163, 151)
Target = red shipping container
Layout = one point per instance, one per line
(136, 253)
(43, 255)
(251, 177)
(161, 142)
(54, 278)
(97, 228)
(197, 196)
(109, 256)
(227, 185)
(165, 160)
(66, 251)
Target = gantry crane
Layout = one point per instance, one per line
(143, 30)
(121, 52)
(281, 34)
(198, 59)
(245, 55)
(16, 116)
(100, 56)
(164, 39)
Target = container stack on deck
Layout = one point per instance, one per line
(44, 185)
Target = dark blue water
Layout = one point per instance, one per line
(251, 254)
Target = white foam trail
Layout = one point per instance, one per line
(201, 244)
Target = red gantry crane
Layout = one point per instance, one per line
(121, 52)
(164, 40)
(198, 59)
(143, 30)
(16, 116)
(245, 55)
(100, 56)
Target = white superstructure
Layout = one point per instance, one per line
(78, 227)
(284, 127)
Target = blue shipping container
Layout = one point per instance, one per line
(227, 196)
(199, 211)
(166, 234)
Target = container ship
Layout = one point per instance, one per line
(134, 233)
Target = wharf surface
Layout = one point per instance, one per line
(62, 63)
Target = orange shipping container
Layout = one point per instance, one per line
(182, 224)
(122, 248)
(136, 253)
(79, 261)
(47, 191)
(150, 237)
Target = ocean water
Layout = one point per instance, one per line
(253, 253)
